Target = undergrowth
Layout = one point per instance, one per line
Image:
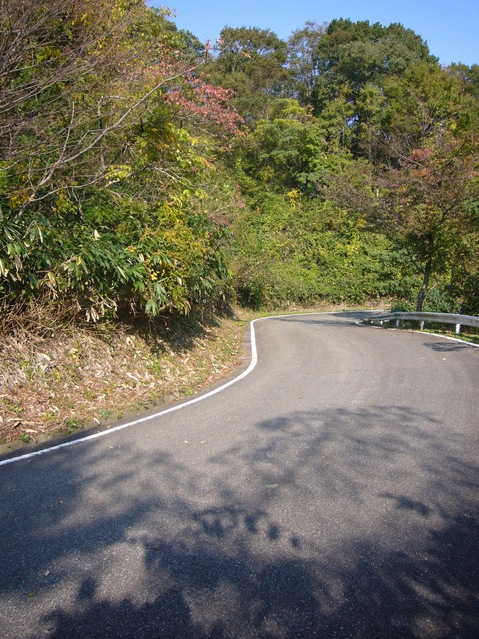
(57, 378)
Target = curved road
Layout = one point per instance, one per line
(332, 492)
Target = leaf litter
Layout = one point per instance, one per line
(79, 377)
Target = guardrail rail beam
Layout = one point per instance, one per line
(422, 318)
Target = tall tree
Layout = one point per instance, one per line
(424, 100)
(427, 203)
(469, 75)
(303, 61)
(355, 53)
(74, 73)
(252, 62)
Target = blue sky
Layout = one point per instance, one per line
(450, 28)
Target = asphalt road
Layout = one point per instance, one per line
(332, 492)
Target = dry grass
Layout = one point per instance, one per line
(56, 378)
(69, 378)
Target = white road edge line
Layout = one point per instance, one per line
(411, 330)
(452, 339)
(103, 433)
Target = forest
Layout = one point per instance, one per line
(144, 173)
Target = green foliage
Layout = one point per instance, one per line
(469, 76)
(287, 252)
(292, 150)
(377, 95)
(101, 182)
(381, 130)
(425, 100)
(119, 255)
(251, 61)
(358, 53)
(303, 61)
(129, 183)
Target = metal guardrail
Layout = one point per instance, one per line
(439, 318)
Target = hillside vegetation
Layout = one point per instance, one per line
(145, 176)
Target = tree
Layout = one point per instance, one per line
(425, 204)
(468, 75)
(357, 62)
(424, 100)
(251, 62)
(100, 172)
(74, 73)
(303, 61)
(357, 53)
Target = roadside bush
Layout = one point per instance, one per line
(283, 250)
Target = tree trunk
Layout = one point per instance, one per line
(423, 290)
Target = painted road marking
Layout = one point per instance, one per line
(172, 409)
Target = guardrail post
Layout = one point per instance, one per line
(441, 318)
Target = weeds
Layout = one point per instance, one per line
(90, 375)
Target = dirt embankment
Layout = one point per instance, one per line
(74, 377)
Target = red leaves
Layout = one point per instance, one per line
(420, 155)
(207, 102)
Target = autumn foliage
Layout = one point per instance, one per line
(143, 172)
(101, 205)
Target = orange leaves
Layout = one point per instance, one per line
(207, 102)
(420, 155)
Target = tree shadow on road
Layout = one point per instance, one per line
(342, 319)
(213, 595)
(447, 347)
(322, 524)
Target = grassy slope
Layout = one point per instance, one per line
(75, 377)
(72, 378)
